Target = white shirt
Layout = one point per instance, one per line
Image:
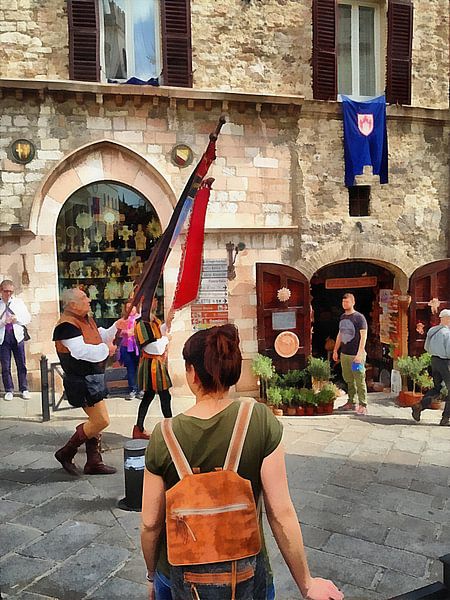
(91, 352)
(21, 313)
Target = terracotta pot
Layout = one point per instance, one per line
(437, 405)
(309, 411)
(278, 412)
(290, 411)
(328, 408)
(300, 411)
(408, 398)
(319, 409)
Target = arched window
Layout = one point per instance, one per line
(104, 234)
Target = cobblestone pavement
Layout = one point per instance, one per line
(372, 494)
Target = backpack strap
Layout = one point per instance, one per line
(238, 436)
(176, 453)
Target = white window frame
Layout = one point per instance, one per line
(355, 4)
(129, 41)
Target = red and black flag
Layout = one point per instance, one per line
(154, 266)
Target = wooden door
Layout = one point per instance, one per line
(428, 282)
(296, 313)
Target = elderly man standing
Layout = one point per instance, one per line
(14, 316)
(437, 343)
(82, 350)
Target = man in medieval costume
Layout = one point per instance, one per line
(82, 349)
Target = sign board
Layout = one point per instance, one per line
(350, 282)
(284, 320)
(211, 305)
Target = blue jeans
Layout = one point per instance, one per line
(130, 360)
(162, 588)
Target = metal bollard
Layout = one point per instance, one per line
(134, 465)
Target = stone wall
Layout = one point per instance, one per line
(256, 46)
(34, 39)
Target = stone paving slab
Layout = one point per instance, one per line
(75, 578)
(370, 493)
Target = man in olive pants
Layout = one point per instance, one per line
(351, 340)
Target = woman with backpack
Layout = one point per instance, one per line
(206, 472)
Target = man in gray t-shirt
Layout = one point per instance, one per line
(351, 341)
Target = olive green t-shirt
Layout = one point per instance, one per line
(205, 443)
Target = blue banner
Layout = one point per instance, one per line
(365, 138)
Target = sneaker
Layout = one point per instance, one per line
(8, 396)
(131, 396)
(26, 395)
(347, 406)
(415, 411)
(445, 422)
(361, 410)
(140, 395)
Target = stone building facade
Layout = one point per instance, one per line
(279, 176)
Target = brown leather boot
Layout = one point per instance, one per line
(65, 454)
(140, 434)
(94, 464)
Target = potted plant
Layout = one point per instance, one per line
(288, 395)
(320, 372)
(326, 398)
(262, 367)
(309, 401)
(412, 368)
(275, 400)
(298, 403)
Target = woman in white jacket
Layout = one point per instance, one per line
(14, 316)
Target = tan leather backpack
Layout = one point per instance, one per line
(212, 522)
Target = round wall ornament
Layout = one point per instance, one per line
(283, 294)
(181, 155)
(286, 344)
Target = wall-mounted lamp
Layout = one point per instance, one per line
(233, 250)
(22, 151)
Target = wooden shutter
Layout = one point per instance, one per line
(84, 63)
(399, 52)
(177, 48)
(324, 50)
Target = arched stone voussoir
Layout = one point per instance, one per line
(389, 257)
(94, 162)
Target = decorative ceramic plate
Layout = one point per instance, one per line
(286, 344)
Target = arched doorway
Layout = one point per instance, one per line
(364, 280)
(104, 233)
(429, 289)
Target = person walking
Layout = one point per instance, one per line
(437, 343)
(14, 317)
(254, 458)
(153, 375)
(82, 350)
(129, 351)
(351, 341)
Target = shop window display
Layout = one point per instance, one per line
(104, 234)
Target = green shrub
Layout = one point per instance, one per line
(308, 397)
(319, 368)
(327, 394)
(274, 396)
(288, 394)
(414, 367)
(293, 378)
(262, 367)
